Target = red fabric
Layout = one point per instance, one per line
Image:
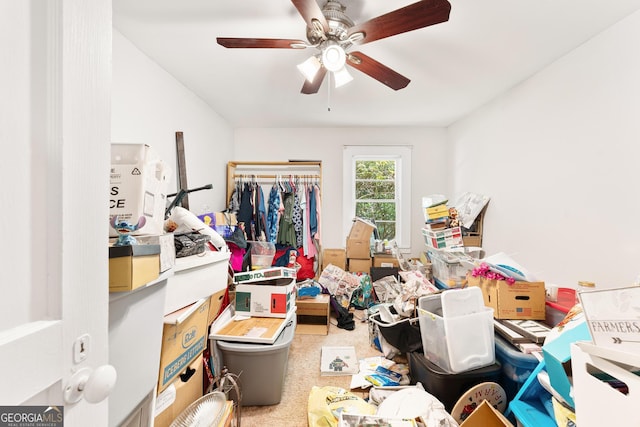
(306, 267)
(279, 253)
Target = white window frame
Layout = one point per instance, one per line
(402, 155)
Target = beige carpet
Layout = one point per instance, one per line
(303, 372)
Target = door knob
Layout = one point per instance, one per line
(93, 385)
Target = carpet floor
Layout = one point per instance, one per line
(303, 372)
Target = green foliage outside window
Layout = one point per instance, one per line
(376, 194)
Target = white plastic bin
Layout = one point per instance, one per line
(262, 367)
(459, 342)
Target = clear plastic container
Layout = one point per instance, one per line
(447, 269)
(456, 343)
(262, 254)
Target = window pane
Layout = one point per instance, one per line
(375, 169)
(379, 211)
(386, 230)
(375, 190)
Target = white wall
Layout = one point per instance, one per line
(428, 167)
(149, 106)
(558, 155)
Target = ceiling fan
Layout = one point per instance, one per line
(333, 33)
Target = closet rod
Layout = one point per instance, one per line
(283, 176)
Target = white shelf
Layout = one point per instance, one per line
(196, 277)
(193, 261)
(115, 296)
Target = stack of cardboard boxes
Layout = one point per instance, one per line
(184, 339)
(180, 316)
(359, 246)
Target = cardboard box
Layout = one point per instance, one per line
(138, 188)
(597, 403)
(132, 266)
(359, 265)
(359, 239)
(385, 260)
(486, 415)
(358, 249)
(262, 300)
(521, 300)
(473, 235)
(224, 223)
(313, 315)
(183, 339)
(557, 358)
(337, 257)
(612, 316)
(167, 248)
(264, 274)
(182, 392)
(216, 302)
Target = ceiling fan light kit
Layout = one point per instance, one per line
(333, 33)
(310, 67)
(342, 77)
(333, 57)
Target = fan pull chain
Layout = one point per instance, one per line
(329, 92)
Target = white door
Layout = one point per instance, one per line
(55, 78)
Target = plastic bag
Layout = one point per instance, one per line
(326, 403)
(363, 296)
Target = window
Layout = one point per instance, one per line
(377, 186)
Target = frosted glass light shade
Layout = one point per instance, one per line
(309, 68)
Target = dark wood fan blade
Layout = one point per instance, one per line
(378, 71)
(232, 42)
(310, 11)
(310, 88)
(417, 15)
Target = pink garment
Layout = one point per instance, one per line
(318, 209)
(309, 247)
(237, 256)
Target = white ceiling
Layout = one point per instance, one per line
(485, 48)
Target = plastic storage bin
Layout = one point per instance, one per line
(516, 366)
(439, 239)
(459, 340)
(447, 387)
(447, 270)
(262, 254)
(555, 311)
(263, 366)
(403, 334)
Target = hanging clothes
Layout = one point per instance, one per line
(234, 201)
(259, 213)
(309, 247)
(318, 232)
(245, 211)
(297, 219)
(304, 232)
(286, 230)
(273, 214)
(313, 217)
